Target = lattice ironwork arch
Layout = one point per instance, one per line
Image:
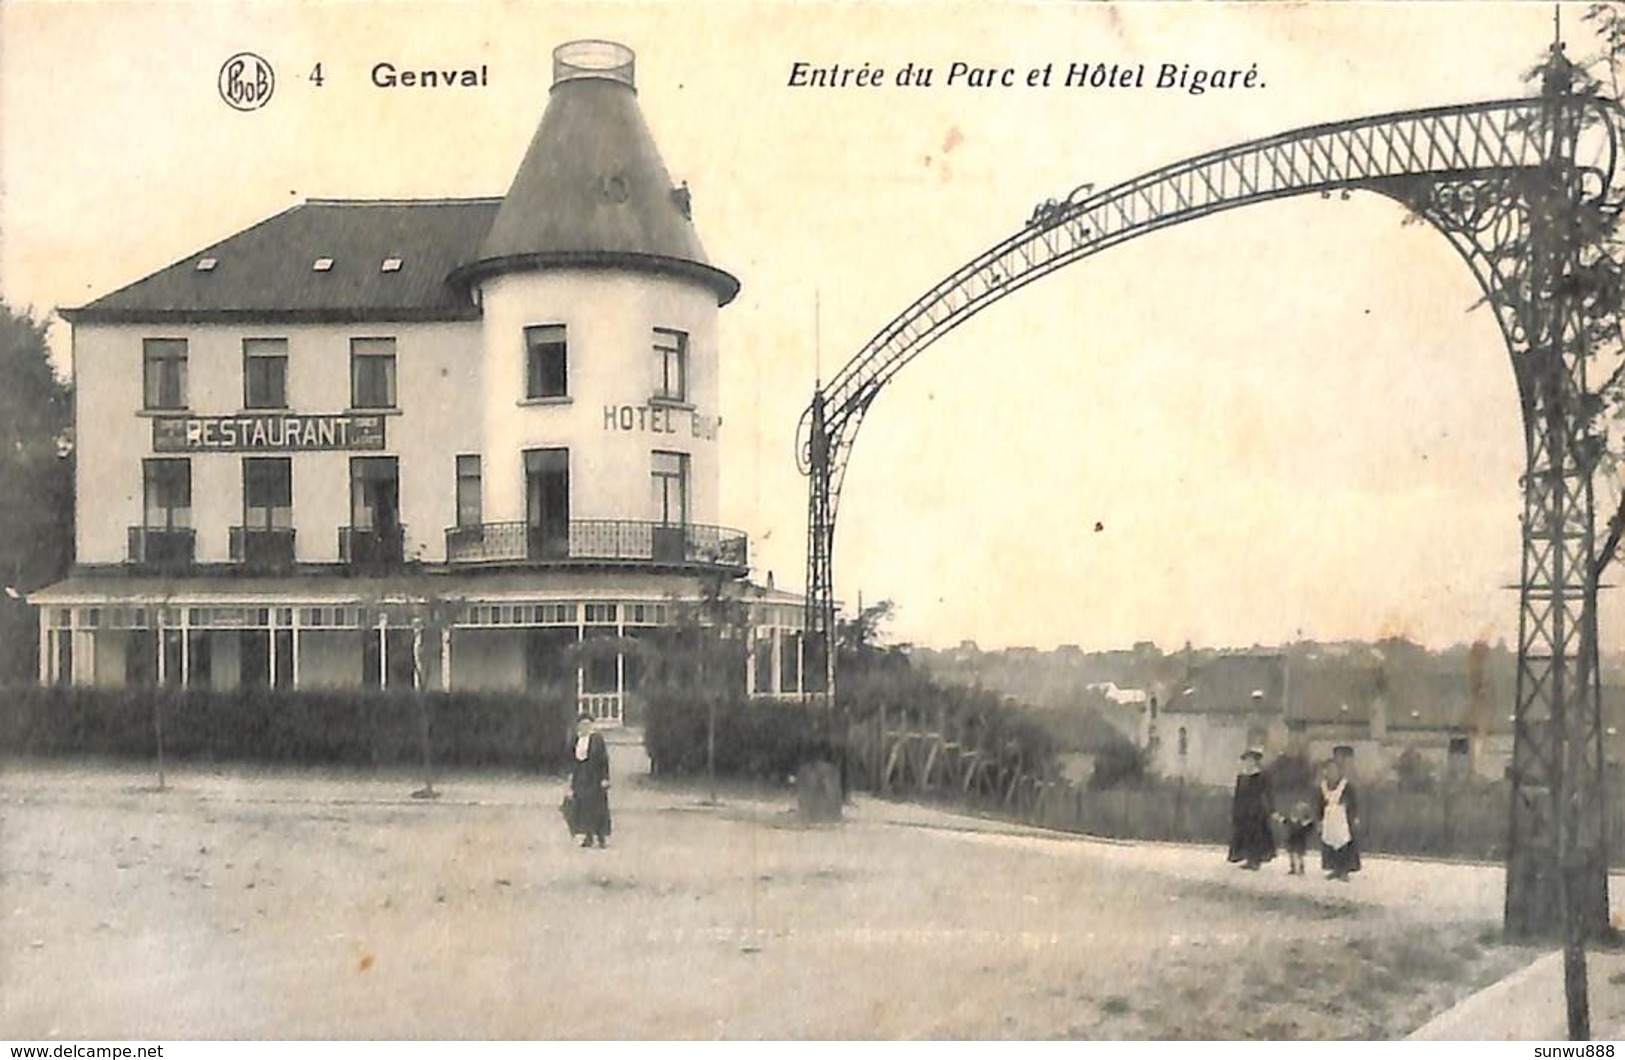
(1520, 188)
(1401, 155)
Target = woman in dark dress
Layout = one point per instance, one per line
(589, 785)
(1339, 814)
(1251, 841)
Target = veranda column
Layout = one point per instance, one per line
(445, 656)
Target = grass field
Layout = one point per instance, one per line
(299, 905)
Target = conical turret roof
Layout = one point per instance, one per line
(592, 190)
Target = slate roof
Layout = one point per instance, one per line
(1416, 693)
(593, 186)
(265, 272)
(1225, 684)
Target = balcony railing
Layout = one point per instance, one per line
(163, 548)
(372, 548)
(599, 541)
(263, 548)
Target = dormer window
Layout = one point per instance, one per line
(206, 264)
(390, 265)
(322, 265)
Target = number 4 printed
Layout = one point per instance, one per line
(316, 75)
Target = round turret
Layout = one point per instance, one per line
(592, 191)
(600, 363)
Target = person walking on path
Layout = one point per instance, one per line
(1251, 841)
(1297, 825)
(1338, 811)
(589, 785)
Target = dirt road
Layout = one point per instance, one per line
(299, 904)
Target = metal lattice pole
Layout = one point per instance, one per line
(1556, 862)
(819, 619)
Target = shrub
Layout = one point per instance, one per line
(1291, 772)
(1413, 772)
(1117, 765)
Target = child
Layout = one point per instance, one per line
(1298, 826)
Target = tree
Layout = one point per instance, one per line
(699, 658)
(36, 485)
(1412, 772)
(862, 632)
(1598, 278)
(864, 655)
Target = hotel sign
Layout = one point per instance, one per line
(660, 419)
(267, 432)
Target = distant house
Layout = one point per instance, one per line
(1195, 711)
(1384, 701)
(1376, 700)
(1200, 717)
(1384, 704)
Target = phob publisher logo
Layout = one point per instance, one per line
(246, 81)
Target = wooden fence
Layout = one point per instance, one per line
(936, 758)
(933, 760)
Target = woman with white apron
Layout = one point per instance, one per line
(1338, 813)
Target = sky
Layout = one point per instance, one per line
(1288, 420)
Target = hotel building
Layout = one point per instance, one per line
(428, 443)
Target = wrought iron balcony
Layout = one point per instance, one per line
(263, 548)
(163, 547)
(599, 541)
(371, 548)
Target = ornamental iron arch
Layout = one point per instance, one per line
(1527, 191)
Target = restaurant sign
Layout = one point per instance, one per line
(257, 432)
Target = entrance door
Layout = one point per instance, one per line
(669, 475)
(547, 503)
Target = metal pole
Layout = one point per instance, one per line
(711, 744)
(1552, 261)
(158, 731)
(880, 764)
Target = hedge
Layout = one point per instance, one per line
(350, 727)
(762, 739)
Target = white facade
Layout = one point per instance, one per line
(611, 420)
(437, 415)
(460, 391)
(427, 444)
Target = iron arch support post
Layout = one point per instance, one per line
(819, 615)
(1515, 234)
